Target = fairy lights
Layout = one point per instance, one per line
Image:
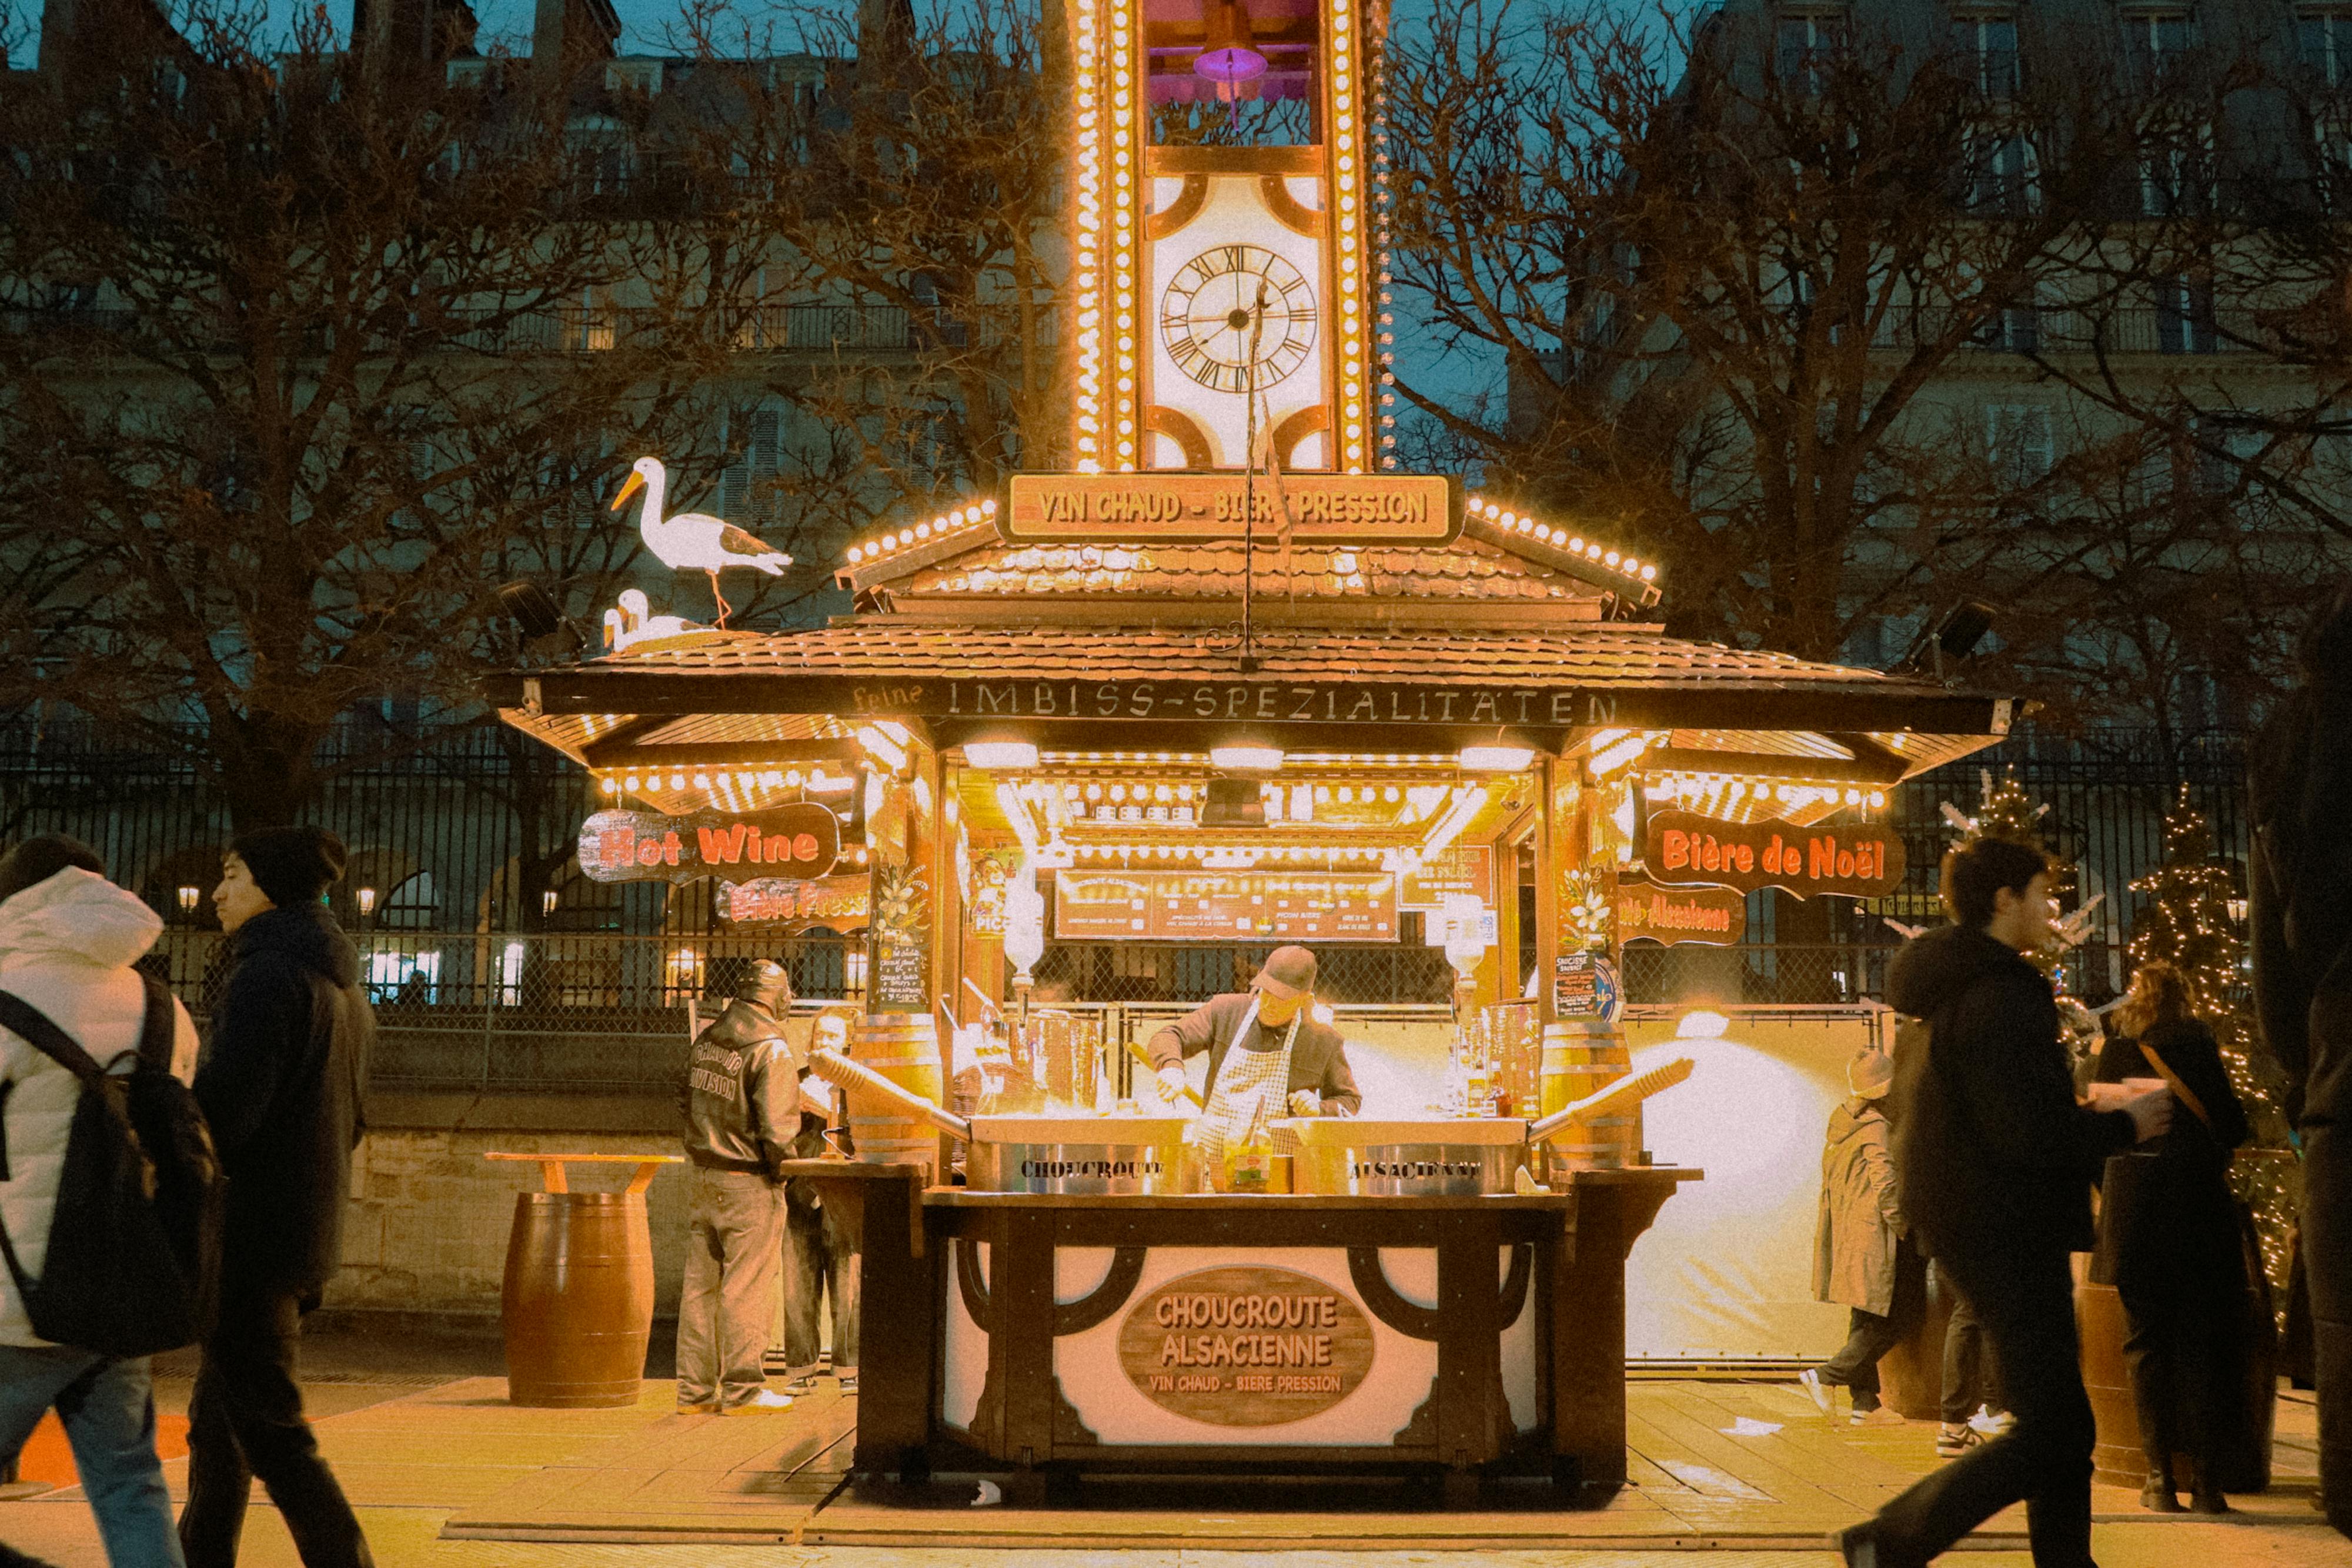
(1125, 199)
(1348, 203)
(1086, 249)
(1590, 553)
(946, 526)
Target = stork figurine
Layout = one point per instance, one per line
(635, 623)
(692, 541)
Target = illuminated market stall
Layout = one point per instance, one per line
(1173, 708)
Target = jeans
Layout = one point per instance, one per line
(1869, 1336)
(728, 1301)
(107, 1405)
(1969, 1379)
(818, 1253)
(2025, 1299)
(245, 1420)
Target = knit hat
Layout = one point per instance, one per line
(1289, 972)
(292, 865)
(1870, 1074)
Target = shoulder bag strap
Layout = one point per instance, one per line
(2172, 1081)
(160, 1031)
(21, 1017)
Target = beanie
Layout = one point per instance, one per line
(292, 865)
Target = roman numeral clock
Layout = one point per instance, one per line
(1226, 271)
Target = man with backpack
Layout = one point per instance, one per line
(279, 1082)
(1996, 1159)
(68, 941)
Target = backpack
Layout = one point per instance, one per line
(133, 1262)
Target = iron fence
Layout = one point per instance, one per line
(475, 926)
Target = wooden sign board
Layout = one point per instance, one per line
(1463, 869)
(797, 840)
(1213, 906)
(1670, 914)
(1245, 1346)
(839, 901)
(1858, 861)
(1324, 508)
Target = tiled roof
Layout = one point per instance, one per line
(1464, 570)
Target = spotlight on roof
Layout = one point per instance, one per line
(1947, 641)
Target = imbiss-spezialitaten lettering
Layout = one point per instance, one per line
(1346, 704)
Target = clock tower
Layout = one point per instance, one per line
(1229, 200)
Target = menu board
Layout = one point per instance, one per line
(1463, 869)
(1101, 906)
(1208, 906)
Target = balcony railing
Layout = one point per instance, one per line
(588, 330)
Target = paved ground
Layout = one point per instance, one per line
(428, 1448)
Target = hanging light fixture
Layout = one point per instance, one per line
(1229, 60)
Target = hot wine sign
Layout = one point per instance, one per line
(798, 840)
(1859, 861)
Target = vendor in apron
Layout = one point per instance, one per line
(1268, 1055)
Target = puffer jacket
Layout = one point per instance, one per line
(1853, 1243)
(67, 946)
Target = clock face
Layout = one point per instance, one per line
(1237, 319)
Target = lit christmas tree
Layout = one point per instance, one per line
(2187, 923)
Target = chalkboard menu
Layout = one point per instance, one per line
(1208, 906)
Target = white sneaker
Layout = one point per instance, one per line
(766, 1402)
(1824, 1399)
(1992, 1423)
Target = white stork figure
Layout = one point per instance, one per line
(692, 541)
(634, 622)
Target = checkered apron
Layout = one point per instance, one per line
(1250, 1084)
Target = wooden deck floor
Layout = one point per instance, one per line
(1725, 1464)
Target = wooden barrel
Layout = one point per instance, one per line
(2117, 1458)
(905, 1049)
(578, 1304)
(1583, 1058)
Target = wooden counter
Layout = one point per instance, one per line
(1461, 1336)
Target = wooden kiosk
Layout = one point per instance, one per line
(1231, 680)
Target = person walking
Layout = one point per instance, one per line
(820, 1249)
(740, 1098)
(68, 941)
(2169, 1241)
(1996, 1159)
(1862, 1257)
(279, 1080)
(2299, 886)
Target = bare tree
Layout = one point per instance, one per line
(303, 356)
(1727, 281)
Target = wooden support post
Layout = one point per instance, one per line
(1469, 1353)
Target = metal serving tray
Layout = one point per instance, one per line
(1437, 1157)
(1091, 1156)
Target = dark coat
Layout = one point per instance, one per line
(2166, 1210)
(2299, 886)
(1990, 1149)
(740, 1092)
(1318, 1058)
(279, 1082)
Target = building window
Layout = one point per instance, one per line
(1808, 41)
(2184, 316)
(2004, 175)
(2019, 444)
(2176, 176)
(2324, 38)
(2158, 44)
(1986, 47)
(747, 485)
